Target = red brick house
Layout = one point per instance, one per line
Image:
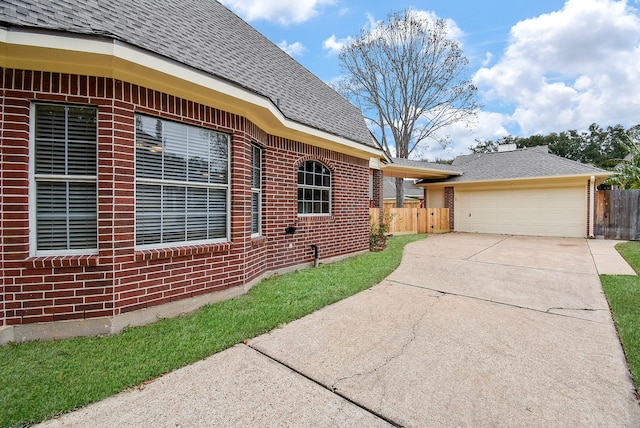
(157, 157)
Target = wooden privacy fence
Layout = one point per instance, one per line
(407, 204)
(618, 214)
(413, 220)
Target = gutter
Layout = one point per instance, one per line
(516, 179)
(592, 205)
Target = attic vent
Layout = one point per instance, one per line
(507, 147)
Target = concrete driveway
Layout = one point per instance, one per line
(470, 330)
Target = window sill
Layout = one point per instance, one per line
(189, 250)
(314, 218)
(61, 261)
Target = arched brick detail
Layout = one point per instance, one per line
(327, 162)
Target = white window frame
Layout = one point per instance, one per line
(315, 187)
(256, 191)
(60, 178)
(187, 185)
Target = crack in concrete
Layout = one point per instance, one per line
(574, 309)
(327, 387)
(387, 361)
(511, 305)
(489, 247)
(509, 265)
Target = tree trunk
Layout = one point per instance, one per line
(399, 192)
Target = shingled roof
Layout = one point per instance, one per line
(424, 164)
(410, 191)
(207, 36)
(533, 162)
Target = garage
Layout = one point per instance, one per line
(518, 192)
(551, 211)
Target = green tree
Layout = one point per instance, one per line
(603, 148)
(627, 173)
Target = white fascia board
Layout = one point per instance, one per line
(416, 172)
(586, 176)
(110, 47)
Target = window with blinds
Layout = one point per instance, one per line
(256, 190)
(182, 183)
(65, 177)
(314, 189)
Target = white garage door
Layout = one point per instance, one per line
(535, 212)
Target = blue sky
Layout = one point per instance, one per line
(541, 66)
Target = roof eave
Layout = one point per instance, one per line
(404, 171)
(100, 55)
(598, 176)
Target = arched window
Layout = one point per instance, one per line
(314, 189)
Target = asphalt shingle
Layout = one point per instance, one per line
(410, 191)
(205, 35)
(426, 165)
(534, 162)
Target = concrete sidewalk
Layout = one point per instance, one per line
(608, 261)
(470, 330)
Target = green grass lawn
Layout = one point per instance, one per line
(623, 294)
(41, 379)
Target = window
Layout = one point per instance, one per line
(64, 179)
(314, 189)
(182, 190)
(256, 190)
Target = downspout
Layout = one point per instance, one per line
(592, 203)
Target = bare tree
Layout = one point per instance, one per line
(408, 78)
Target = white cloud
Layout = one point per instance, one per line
(281, 11)
(453, 31)
(335, 45)
(293, 49)
(489, 126)
(570, 68)
(488, 57)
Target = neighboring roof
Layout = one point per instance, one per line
(207, 36)
(407, 168)
(533, 162)
(410, 191)
(426, 165)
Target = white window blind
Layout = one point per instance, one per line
(65, 144)
(181, 183)
(256, 190)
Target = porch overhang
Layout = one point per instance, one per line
(416, 172)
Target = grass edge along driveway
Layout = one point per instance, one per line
(43, 379)
(623, 295)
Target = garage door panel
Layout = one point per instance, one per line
(540, 212)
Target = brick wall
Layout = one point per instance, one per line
(449, 202)
(377, 197)
(122, 279)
